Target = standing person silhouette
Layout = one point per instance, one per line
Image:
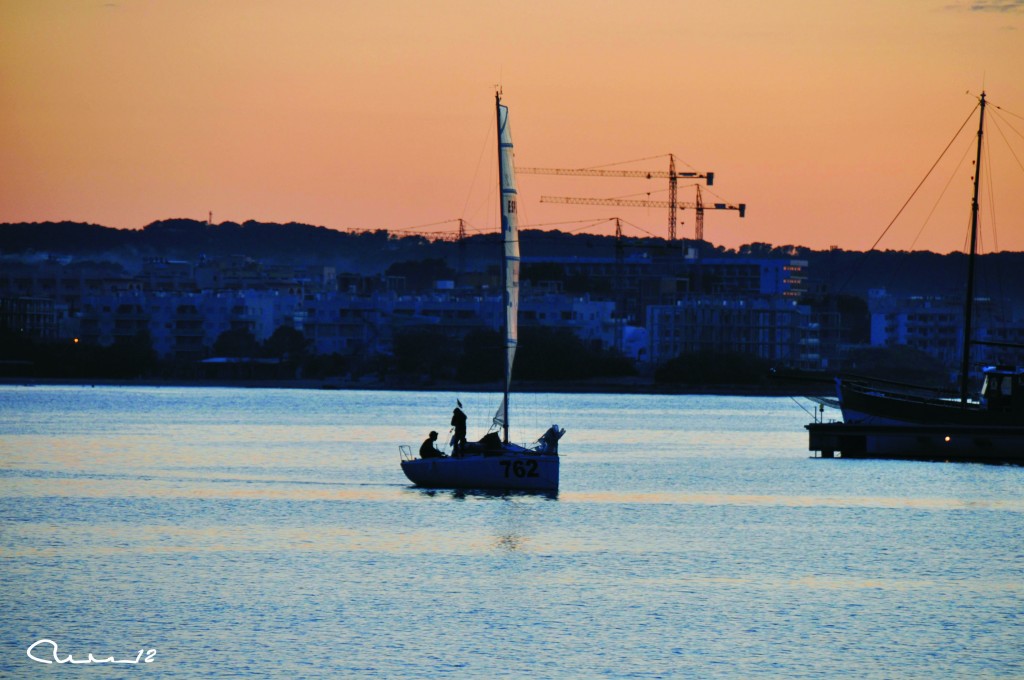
(459, 423)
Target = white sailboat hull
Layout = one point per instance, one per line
(504, 471)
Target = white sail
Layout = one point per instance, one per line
(510, 238)
(498, 423)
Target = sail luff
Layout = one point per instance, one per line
(510, 247)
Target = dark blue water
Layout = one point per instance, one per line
(271, 533)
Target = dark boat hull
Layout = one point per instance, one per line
(503, 471)
(862, 404)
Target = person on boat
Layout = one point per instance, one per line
(459, 423)
(427, 448)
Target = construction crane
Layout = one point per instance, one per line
(456, 236)
(698, 205)
(672, 175)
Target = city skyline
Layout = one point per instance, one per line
(822, 118)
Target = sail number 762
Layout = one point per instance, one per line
(520, 468)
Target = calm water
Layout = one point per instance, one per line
(272, 533)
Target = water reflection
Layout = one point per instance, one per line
(509, 521)
(510, 542)
(483, 494)
(49, 483)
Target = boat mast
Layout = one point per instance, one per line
(504, 267)
(509, 248)
(969, 302)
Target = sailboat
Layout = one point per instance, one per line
(882, 420)
(494, 462)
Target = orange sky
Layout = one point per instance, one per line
(822, 116)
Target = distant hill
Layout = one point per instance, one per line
(849, 272)
(998, 275)
(188, 239)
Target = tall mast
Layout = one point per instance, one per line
(509, 248)
(969, 302)
(504, 266)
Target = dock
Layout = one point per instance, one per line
(953, 443)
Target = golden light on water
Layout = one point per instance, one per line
(240, 487)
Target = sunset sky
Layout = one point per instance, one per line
(822, 116)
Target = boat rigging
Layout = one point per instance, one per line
(880, 420)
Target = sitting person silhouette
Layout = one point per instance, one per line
(427, 448)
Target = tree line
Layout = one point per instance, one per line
(373, 252)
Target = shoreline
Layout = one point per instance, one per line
(621, 386)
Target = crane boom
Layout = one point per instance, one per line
(636, 203)
(597, 172)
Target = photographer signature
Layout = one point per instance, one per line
(144, 656)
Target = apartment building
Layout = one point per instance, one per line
(775, 329)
